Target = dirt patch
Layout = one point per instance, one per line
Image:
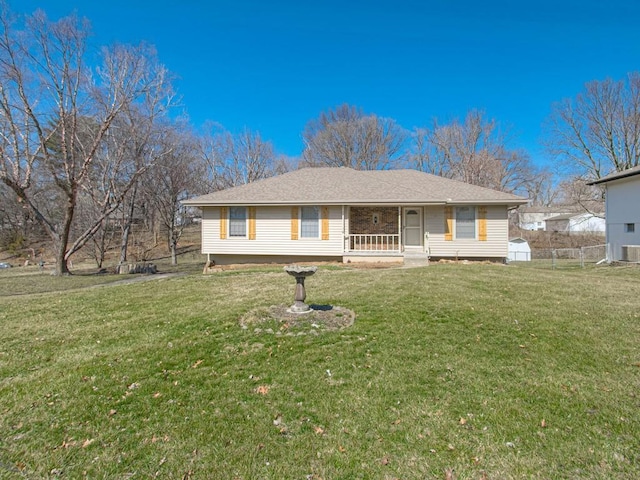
(277, 320)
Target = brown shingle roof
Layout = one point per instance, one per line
(345, 186)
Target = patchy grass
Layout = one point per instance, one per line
(483, 370)
(30, 280)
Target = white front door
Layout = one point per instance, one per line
(412, 227)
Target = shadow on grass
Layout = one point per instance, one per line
(322, 308)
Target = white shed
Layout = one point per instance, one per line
(519, 250)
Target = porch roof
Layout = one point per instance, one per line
(345, 186)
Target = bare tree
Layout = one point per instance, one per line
(232, 160)
(474, 152)
(598, 132)
(175, 177)
(345, 137)
(15, 222)
(541, 189)
(246, 158)
(574, 191)
(425, 157)
(55, 114)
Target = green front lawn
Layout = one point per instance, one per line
(460, 371)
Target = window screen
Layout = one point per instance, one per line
(309, 224)
(238, 222)
(465, 222)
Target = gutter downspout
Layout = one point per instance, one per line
(606, 224)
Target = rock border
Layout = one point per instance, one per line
(277, 320)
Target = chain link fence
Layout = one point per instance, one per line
(579, 257)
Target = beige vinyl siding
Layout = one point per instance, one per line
(497, 234)
(211, 228)
(272, 234)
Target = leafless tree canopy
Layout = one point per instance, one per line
(345, 137)
(56, 113)
(474, 151)
(174, 178)
(233, 160)
(598, 132)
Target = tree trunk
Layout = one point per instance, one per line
(172, 243)
(174, 253)
(127, 227)
(63, 240)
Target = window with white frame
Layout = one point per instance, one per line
(465, 222)
(309, 222)
(238, 221)
(629, 227)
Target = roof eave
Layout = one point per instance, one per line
(397, 203)
(613, 178)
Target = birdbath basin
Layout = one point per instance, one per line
(300, 272)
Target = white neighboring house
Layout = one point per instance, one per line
(519, 250)
(575, 222)
(350, 215)
(622, 212)
(533, 217)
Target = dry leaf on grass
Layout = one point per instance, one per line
(262, 389)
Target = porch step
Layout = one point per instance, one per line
(415, 259)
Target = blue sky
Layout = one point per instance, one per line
(272, 66)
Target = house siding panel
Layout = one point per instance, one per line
(272, 235)
(623, 198)
(495, 245)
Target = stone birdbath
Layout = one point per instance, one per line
(300, 272)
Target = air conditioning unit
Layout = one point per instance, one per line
(630, 253)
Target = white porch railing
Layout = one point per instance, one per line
(373, 243)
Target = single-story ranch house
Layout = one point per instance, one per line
(316, 214)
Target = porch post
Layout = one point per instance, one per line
(400, 229)
(344, 233)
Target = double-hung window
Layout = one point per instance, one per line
(238, 221)
(465, 222)
(309, 222)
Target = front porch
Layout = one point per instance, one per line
(385, 234)
(384, 229)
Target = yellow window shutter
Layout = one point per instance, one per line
(448, 224)
(294, 223)
(223, 223)
(482, 224)
(325, 223)
(252, 223)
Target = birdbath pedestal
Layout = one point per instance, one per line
(300, 272)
